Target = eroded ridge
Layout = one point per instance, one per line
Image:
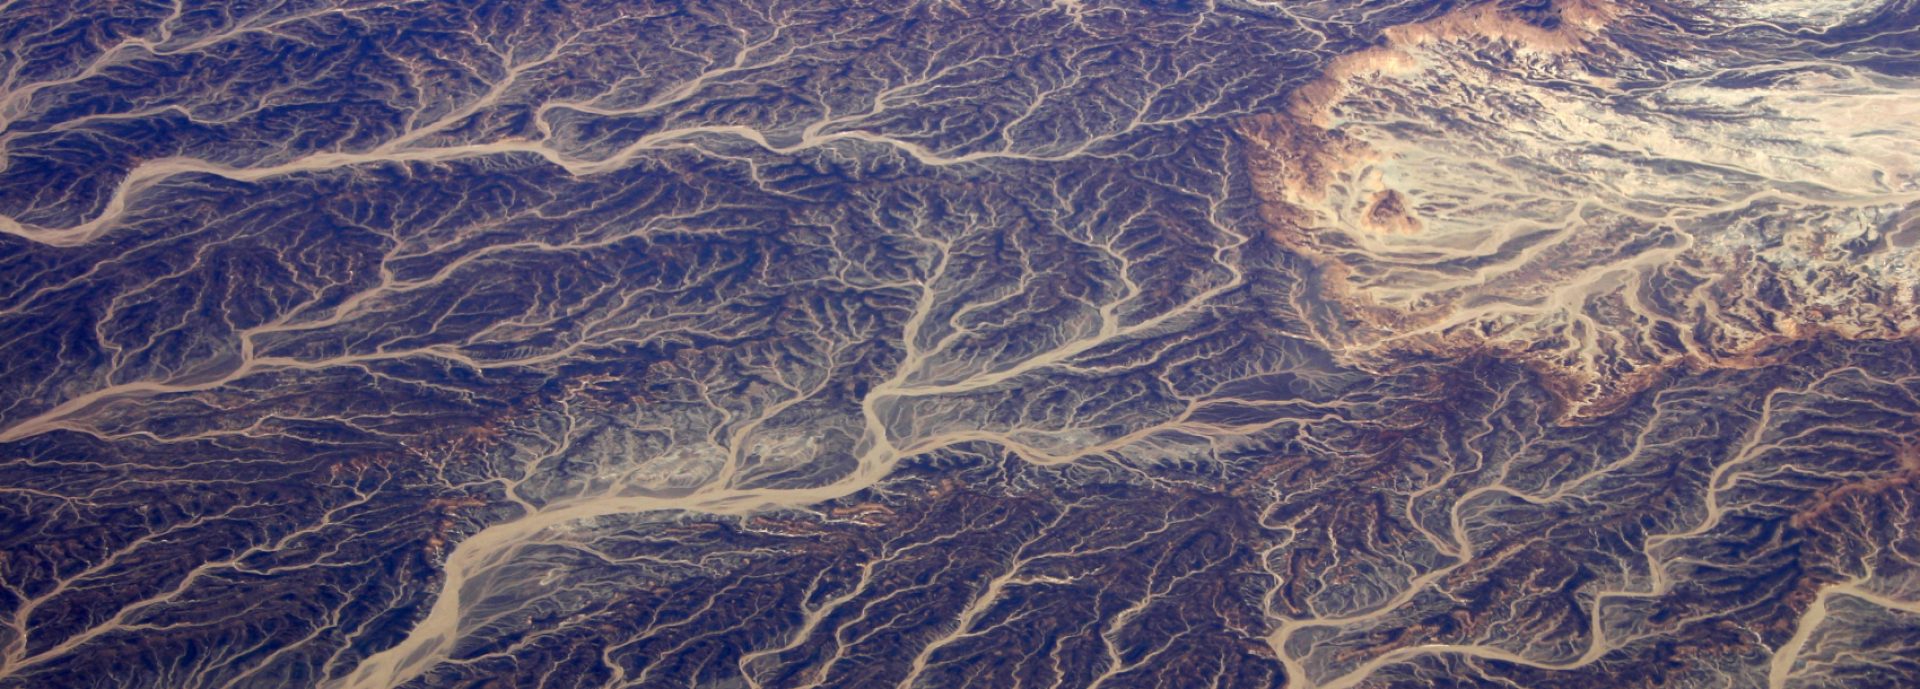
(1049, 344)
(1592, 191)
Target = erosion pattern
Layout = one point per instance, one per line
(792, 343)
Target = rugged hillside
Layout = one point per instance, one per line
(771, 343)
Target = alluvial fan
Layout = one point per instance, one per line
(774, 344)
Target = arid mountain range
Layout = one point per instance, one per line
(804, 344)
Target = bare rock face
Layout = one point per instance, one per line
(1587, 193)
(798, 344)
